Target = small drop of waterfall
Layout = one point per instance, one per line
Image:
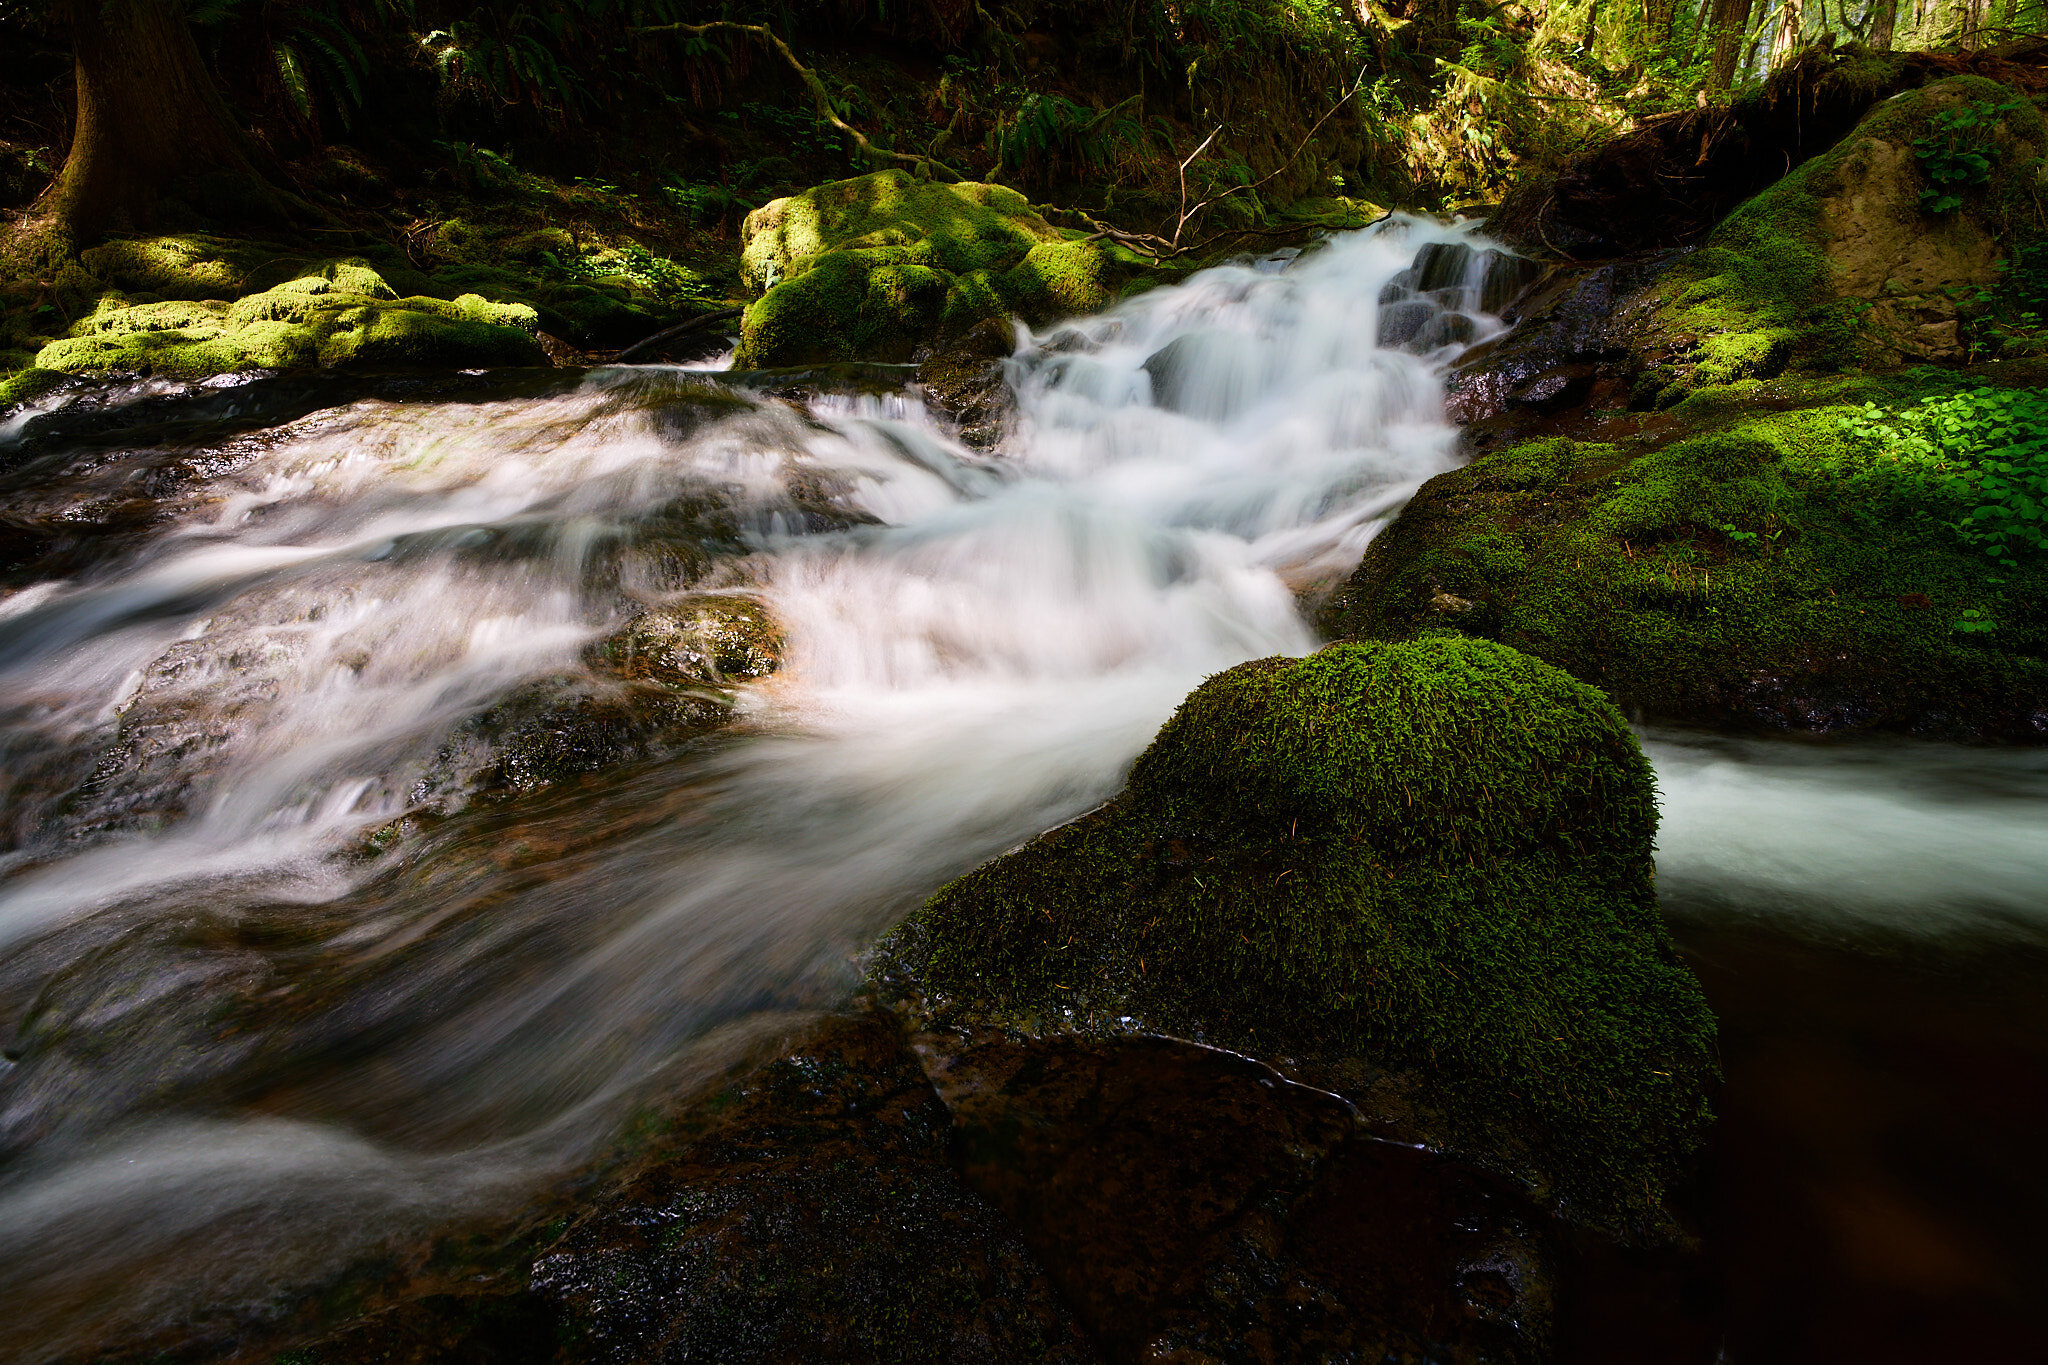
(285, 979)
(211, 730)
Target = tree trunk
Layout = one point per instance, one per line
(149, 115)
(1729, 20)
(1884, 18)
(1792, 24)
(1658, 16)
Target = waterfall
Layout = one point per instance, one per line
(247, 1047)
(286, 981)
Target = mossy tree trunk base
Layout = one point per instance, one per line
(149, 117)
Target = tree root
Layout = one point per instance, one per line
(820, 97)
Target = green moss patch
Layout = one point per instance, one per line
(1433, 855)
(335, 314)
(27, 385)
(1757, 560)
(878, 267)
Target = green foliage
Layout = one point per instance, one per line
(800, 130)
(1050, 138)
(1985, 448)
(664, 279)
(316, 47)
(1434, 856)
(2010, 318)
(705, 204)
(1956, 153)
(479, 170)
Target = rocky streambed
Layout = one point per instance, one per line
(451, 824)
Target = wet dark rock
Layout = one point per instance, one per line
(964, 381)
(1202, 373)
(1401, 319)
(1192, 1204)
(1570, 349)
(702, 640)
(1556, 390)
(806, 1212)
(550, 730)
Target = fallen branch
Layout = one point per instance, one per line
(698, 323)
(820, 97)
(1166, 248)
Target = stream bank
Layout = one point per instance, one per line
(982, 640)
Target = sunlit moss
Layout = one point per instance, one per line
(27, 385)
(877, 267)
(339, 313)
(1751, 563)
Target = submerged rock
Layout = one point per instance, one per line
(1193, 1204)
(1423, 871)
(884, 265)
(806, 1212)
(707, 639)
(1037, 1200)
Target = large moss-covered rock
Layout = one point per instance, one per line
(878, 267)
(1839, 261)
(335, 314)
(1434, 856)
(1746, 557)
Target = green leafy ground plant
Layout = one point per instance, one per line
(1984, 447)
(1957, 153)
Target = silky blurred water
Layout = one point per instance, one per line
(243, 1052)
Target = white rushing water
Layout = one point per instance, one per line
(978, 645)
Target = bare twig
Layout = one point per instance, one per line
(701, 321)
(1188, 214)
(820, 97)
(1161, 248)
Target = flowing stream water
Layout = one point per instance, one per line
(282, 982)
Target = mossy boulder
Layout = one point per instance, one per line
(884, 265)
(1838, 262)
(334, 314)
(28, 385)
(1742, 558)
(1434, 856)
